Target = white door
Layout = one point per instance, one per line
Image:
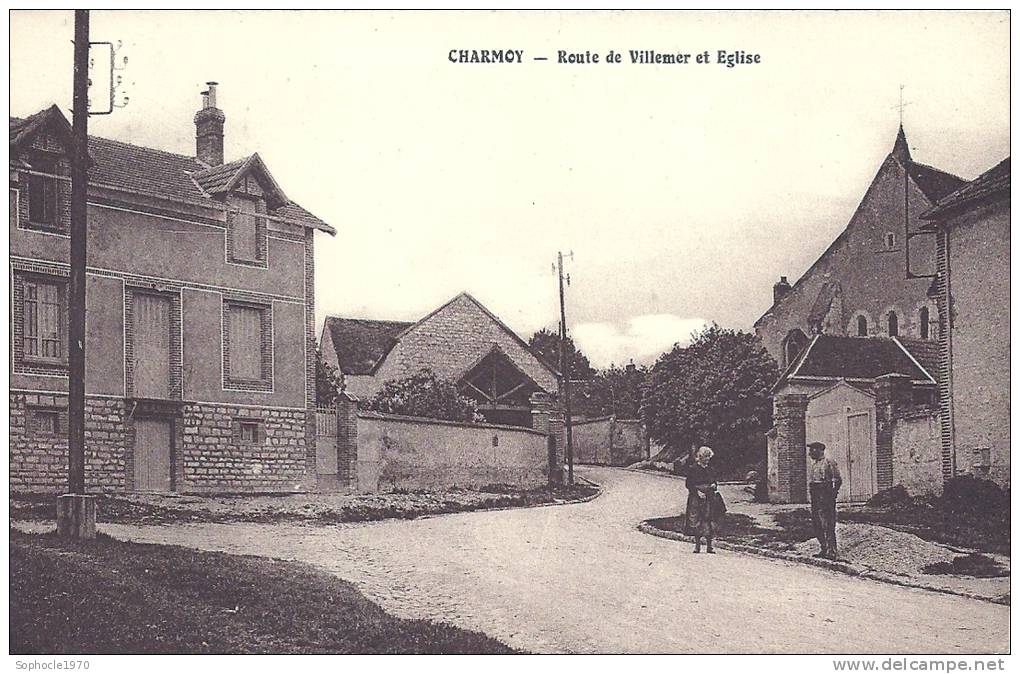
(152, 455)
(862, 457)
(151, 314)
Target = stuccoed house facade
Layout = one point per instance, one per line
(972, 227)
(463, 342)
(199, 332)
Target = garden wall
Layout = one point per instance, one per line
(609, 441)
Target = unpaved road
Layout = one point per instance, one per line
(581, 578)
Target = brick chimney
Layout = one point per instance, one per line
(780, 289)
(209, 129)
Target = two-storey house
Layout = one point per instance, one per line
(200, 346)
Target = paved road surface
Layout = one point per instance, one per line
(581, 578)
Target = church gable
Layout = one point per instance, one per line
(864, 271)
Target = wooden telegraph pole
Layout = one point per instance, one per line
(76, 512)
(565, 371)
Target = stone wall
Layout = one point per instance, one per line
(411, 453)
(38, 458)
(916, 458)
(208, 455)
(610, 441)
(214, 459)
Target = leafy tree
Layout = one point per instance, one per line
(423, 394)
(616, 390)
(546, 344)
(329, 381)
(714, 392)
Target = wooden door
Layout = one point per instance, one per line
(151, 314)
(862, 457)
(152, 455)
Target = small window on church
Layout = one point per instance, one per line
(890, 240)
(862, 326)
(923, 319)
(894, 324)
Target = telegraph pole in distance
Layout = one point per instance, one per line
(565, 371)
(76, 512)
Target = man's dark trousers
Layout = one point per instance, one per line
(823, 515)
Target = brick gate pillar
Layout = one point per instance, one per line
(893, 393)
(790, 447)
(545, 419)
(347, 441)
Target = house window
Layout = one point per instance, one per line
(248, 342)
(890, 240)
(246, 231)
(894, 324)
(923, 320)
(249, 432)
(44, 422)
(43, 321)
(862, 326)
(42, 193)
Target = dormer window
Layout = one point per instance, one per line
(43, 193)
(246, 231)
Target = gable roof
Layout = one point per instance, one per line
(362, 344)
(831, 357)
(22, 131)
(933, 183)
(134, 168)
(993, 182)
(224, 178)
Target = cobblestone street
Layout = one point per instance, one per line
(581, 578)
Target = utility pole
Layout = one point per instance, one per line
(565, 371)
(76, 512)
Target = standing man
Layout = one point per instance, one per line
(824, 482)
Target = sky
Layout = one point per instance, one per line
(683, 190)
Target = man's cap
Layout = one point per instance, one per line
(816, 445)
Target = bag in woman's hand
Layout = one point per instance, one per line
(718, 505)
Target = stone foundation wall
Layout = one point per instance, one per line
(213, 457)
(38, 458)
(209, 454)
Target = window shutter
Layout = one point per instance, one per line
(245, 342)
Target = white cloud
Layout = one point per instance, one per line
(643, 338)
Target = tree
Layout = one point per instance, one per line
(423, 394)
(714, 392)
(546, 344)
(616, 390)
(329, 381)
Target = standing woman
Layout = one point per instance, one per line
(701, 490)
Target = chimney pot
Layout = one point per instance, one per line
(209, 129)
(780, 289)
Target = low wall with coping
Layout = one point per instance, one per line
(397, 452)
(609, 441)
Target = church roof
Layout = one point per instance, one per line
(832, 357)
(149, 171)
(935, 183)
(361, 344)
(989, 184)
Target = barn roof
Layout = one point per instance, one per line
(361, 344)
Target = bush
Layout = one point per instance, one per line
(424, 395)
(967, 494)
